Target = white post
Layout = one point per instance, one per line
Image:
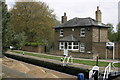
(65, 52)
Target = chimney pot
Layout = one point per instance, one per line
(64, 18)
(97, 8)
(64, 13)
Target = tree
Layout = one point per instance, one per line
(17, 40)
(112, 35)
(9, 36)
(118, 32)
(35, 19)
(5, 27)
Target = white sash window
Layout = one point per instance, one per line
(82, 32)
(69, 45)
(61, 32)
(82, 47)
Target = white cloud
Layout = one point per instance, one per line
(119, 12)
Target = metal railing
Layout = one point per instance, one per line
(107, 71)
(114, 63)
(67, 60)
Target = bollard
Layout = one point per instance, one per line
(80, 76)
(61, 59)
(23, 53)
(94, 73)
(97, 61)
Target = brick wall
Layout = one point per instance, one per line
(103, 34)
(56, 38)
(100, 34)
(39, 49)
(95, 34)
(99, 48)
(73, 54)
(81, 55)
(117, 49)
(68, 31)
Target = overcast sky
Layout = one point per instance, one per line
(82, 8)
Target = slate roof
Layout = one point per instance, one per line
(77, 22)
(69, 38)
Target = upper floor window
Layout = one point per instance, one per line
(82, 32)
(61, 32)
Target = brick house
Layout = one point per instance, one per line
(78, 34)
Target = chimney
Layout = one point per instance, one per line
(98, 15)
(64, 18)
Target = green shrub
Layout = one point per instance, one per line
(33, 44)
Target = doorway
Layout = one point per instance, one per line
(65, 45)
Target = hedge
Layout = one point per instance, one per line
(33, 44)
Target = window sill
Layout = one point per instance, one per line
(70, 49)
(82, 36)
(82, 51)
(61, 36)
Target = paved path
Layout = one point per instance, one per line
(103, 60)
(12, 68)
(14, 73)
(74, 65)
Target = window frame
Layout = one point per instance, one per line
(82, 48)
(60, 45)
(61, 33)
(75, 45)
(82, 31)
(69, 44)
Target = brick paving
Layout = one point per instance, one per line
(17, 69)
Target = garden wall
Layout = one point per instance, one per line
(99, 48)
(38, 49)
(73, 54)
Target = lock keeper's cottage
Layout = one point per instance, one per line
(83, 36)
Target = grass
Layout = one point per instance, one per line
(92, 63)
(39, 55)
(85, 62)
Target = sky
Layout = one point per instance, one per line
(82, 9)
(119, 12)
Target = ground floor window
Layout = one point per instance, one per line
(61, 45)
(69, 45)
(75, 45)
(82, 47)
